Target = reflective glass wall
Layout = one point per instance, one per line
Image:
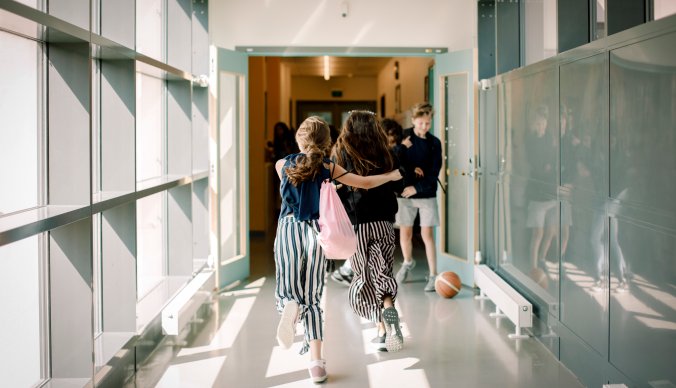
(584, 221)
(642, 225)
(528, 145)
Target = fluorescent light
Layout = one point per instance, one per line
(327, 71)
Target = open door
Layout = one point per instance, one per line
(229, 165)
(455, 105)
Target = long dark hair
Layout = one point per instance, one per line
(313, 137)
(363, 142)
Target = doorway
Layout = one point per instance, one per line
(288, 89)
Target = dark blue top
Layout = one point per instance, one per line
(426, 154)
(303, 200)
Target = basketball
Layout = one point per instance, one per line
(447, 284)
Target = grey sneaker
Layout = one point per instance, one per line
(394, 340)
(342, 276)
(402, 274)
(429, 287)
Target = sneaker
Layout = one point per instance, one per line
(342, 276)
(402, 274)
(394, 340)
(286, 330)
(317, 370)
(379, 343)
(429, 287)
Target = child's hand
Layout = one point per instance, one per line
(409, 192)
(394, 175)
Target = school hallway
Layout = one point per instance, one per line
(448, 342)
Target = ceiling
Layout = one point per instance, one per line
(339, 66)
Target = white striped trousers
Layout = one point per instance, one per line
(300, 267)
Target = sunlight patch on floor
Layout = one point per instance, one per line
(284, 361)
(230, 328)
(250, 291)
(396, 373)
(193, 374)
(256, 283)
(301, 383)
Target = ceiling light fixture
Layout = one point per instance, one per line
(327, 70)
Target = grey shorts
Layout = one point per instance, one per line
(537, 211)
(409, 207)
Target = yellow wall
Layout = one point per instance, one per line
(256, 143)
(412, 72)
(318, 89)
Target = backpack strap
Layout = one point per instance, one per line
(333, 167)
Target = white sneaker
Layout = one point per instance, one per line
(286, 330)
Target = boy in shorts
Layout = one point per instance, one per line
(421, 163)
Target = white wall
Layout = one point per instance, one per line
(373, 23)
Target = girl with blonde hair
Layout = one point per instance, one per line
(299, 260)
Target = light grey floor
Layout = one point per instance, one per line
(448, 343)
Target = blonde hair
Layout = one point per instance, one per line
(313, 136)
(422, 109)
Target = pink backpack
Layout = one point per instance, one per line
(336, 235)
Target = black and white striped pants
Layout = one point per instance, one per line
(300, 267)
(372, 266)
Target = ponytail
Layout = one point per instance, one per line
(313, 136)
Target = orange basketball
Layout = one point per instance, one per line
(447, 284)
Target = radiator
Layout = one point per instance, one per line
(185, 304)
(507, 301)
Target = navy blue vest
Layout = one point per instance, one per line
(303, 200)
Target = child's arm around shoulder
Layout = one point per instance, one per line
(362, 182)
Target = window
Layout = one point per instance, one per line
(20, 107)
(664, 8)
(540, 30)
(150, 108)
(150, 262)
(150, 28)
(22, 339)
